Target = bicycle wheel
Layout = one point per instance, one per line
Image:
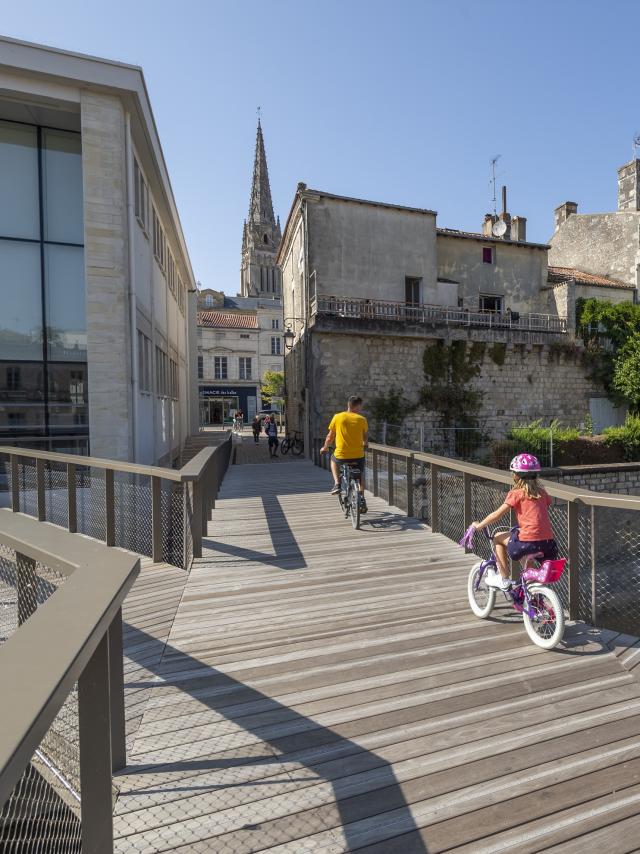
(546, 627)
(482, 598)
(284, 446)
(354, 502)
(297, 447)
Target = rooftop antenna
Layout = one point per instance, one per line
(636, 145)
(492, 181)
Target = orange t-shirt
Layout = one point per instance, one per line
(532, 515)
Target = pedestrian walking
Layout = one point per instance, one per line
(256, 426)
(271, 429)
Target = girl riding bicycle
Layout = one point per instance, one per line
(533, 533)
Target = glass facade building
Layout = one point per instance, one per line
(43, 339)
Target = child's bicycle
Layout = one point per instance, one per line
(540, 606)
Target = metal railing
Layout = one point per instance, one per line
(599, 533)
(154, 511)
(366, 309)
(61, 666)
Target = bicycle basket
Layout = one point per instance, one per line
(547, 572)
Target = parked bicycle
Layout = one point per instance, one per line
(349, 495)
(295, 444)
(539, 605)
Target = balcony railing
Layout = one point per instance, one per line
(365, 309)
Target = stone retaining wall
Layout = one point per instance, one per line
(621, 478)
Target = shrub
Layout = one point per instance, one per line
(626, 438)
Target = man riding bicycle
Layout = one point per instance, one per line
(350, 432)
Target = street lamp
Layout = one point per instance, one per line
(289, 335)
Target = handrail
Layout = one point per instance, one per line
(187, 473)
(79, 614)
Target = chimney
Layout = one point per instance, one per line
(629, 186)
(487, 225)
(564, 211)
(519, 228)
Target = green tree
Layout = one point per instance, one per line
(272, 385)
(626, 372)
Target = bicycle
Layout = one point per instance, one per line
(539, 605)
(237, 426)
(296, 444)
(349, 495)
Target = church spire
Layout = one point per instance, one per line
(261, 232)
(260, 206)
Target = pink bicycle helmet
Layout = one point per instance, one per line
(525, 464)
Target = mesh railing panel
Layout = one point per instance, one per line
(451, 504)
(486, 496)
(422, 491)
(558, 518)
(56, 496)
(28, 488)
(584, 545)
(172, 504)
(5, 481)
(399, 482)
(383, 477)
(90, 497)
(133, 517)
(43, 812)
(616, 580)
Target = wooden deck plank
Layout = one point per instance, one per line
(308, 687)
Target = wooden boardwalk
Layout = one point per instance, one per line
(325, 689)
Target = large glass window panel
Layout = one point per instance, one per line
(65, 301)
(19, 206)
(68, 399)
(21, 398)
(62, 186)
(20, 301)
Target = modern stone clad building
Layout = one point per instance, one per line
(368, 287)
(605, 246)
(97, 334)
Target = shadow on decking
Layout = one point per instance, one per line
(266, 734)
(286, 551)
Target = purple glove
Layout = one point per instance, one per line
(467, 541)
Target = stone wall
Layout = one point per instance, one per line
(621, 478)
(106, 267)
(519, 382)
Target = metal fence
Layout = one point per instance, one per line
(153, 511)
(63, 727)
(471, 444)
(597, 532)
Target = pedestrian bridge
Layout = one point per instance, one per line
(306, 687)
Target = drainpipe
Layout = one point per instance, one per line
(307, 391)
(135, 379)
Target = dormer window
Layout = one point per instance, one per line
(208, 301)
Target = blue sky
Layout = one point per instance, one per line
(404, 101)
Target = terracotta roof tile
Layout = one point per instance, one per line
(227, 320)
(561, 274)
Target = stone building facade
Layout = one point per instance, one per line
(110, 314)
(368, 286)
(603, 244)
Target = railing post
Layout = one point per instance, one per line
(594, 574)
(374, 471)
(435, 515)
(15, 484)
(110, 507)
(42, 512)
(116, 694)
(26, 582)
(573, 534)
(410, 485)
(72, 499)
(390, 490)
(468, 509)
(196, 517)
(156, 519)
(95, 752)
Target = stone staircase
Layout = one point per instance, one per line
(205, 439)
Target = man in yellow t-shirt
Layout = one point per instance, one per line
(350, 432)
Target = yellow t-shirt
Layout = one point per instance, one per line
(349, 428)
